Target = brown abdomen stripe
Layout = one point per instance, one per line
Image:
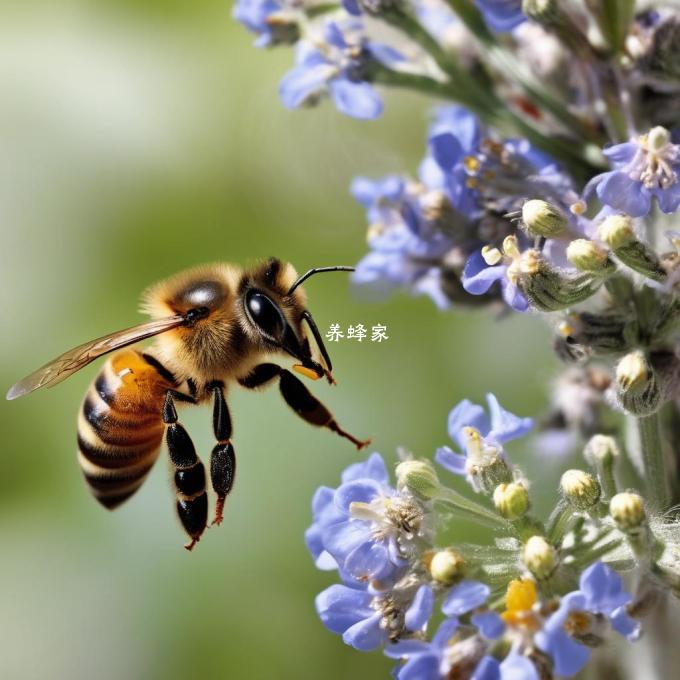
(120, 427)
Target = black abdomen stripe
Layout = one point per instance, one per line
(120, 429)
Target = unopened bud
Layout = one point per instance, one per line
(632, 372)
(548, 289)
(419, 477)
(511, 500)
(638, 389)
(627, 509)
(580, 489)
(617, 231)
(587, 256)
(447, 566)
(601, 450)
(542, 11)
(542, 219)
(539, 557)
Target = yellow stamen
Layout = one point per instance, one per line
(491, 255)
(521, 595)
(471, 163)
(511, 247)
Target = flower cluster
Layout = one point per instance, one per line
(549, 185)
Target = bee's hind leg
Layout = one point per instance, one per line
(192, 500)
(222, 458)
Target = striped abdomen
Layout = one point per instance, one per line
(120, 426)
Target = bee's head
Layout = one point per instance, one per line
(275, 306)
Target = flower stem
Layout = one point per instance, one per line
(652, 456)
(470, 508)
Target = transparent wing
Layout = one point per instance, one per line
(68, 363)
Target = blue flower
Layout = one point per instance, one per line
(337, 65)
(363, 528)
(367, 620)
(407, 244)
(475, 431)
(601, 593)
(420, 660)
(489, 265)
(645, 168)
(454, 139)
(502, 15)
(269, 19)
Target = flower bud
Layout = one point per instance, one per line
(627, 509)
(638, 389)
(542, 219)
(587, 256)
(511, 500)
(539, 557)
(542, 11)
(601, 450)
(580, 489)
(419, 477)
(617, 231)
(548, 289)
(446, 566)
(658, 137)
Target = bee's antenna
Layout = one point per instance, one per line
(318, 270)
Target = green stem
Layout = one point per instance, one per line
(470, 508)
(558, 522)
(652, 456)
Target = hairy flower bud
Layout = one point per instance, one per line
(587, 256)
(542, 219)
(542, 11)
(511, 500)
(539, 557)
(549, 289)
(419, 477)
(617, 231)
(580, 489)
(627, 509)
(447, 566)
(601, 449)
(638, 389)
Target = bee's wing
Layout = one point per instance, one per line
(68, 363)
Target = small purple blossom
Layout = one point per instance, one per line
(493, 430)
(336, 65)
(644, 168)
(601, 592)
(271, 20)
(502, 15)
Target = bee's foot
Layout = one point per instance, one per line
(219, 509)
(190, 546)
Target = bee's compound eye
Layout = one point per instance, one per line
(265, 314)
(209, 294)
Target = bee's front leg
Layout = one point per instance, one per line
(192, 500)
(223, 458)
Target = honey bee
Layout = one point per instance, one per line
(216, 325)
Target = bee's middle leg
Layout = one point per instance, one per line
(222, 458)
(192, 500)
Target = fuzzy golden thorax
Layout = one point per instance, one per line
(226, 343)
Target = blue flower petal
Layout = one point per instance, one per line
(446, 150)
(421, 667)
(467, 414)
(352, 7)
(365, 635)
(513, 296)
(487, 669)
(367, 561)
(625, 625)
(358, 100)
(502, 15)
(490, 624)
(619, 191)
(506, 426)
(466, 596)
(340, 607)
(621, 153)
(420, 611)
(342, 538)
(517, 667)
(453, 462)
(668, 199)
(372, 468)
(445, 632)
(478, 276)
(359, 491)
(303, 82)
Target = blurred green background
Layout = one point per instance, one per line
(140, 138)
